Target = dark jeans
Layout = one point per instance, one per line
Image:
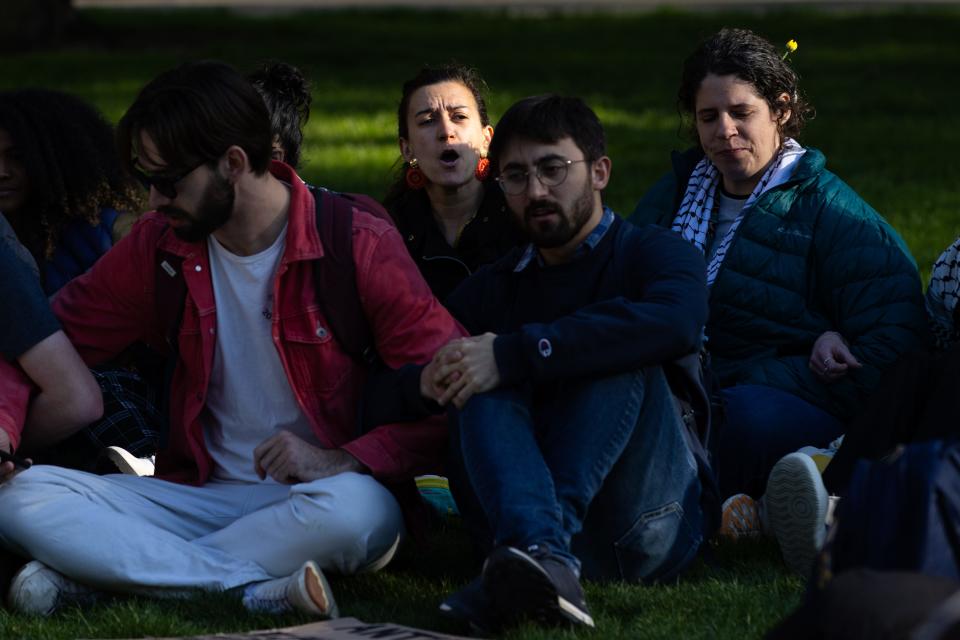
(762, 425)
(598, 471)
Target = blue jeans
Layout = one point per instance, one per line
(763, 424)
(598, 471)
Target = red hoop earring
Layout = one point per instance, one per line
(415, 177)
(483, 169)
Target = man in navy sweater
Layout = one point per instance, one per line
(570, 453)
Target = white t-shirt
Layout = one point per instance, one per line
(249, 398)
(728, 208)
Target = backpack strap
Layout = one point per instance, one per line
(335, 275)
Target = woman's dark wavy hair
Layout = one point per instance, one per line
(67, 149)
(450, 72)
(286, 92)
(753, 59)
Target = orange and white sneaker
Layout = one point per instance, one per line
(741, 517)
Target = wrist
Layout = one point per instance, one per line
(350, 463)
(838, 335)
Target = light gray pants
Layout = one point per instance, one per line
(136, 534)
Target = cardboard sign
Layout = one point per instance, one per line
(339, 629)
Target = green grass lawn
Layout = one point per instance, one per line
(741, 593)
(883, 84)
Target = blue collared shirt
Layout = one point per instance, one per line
(589, 243)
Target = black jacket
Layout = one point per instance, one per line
(489, 235)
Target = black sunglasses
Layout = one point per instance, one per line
(166, 184)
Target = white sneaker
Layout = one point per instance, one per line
(38, 590)
(306, 591)
(129, 463)
(796, 502)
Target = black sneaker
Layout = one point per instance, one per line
(472, 606)
(540, 587)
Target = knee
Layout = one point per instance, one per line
(20, 491)
(482, 405)
(23, 496)
(353, 514)
(486, 411)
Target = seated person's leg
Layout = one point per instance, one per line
(504, 468)
(118, 533)
(645, 522)
(345, 523)
(151, 537)
(506, 490)
(471, 512)
(762, 425)
(535, 473)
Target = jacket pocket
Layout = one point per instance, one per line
(314, 358)
(658, 546)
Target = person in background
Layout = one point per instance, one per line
(450, 213)
(66, 393)
(33, 348)
(914, 401)
(812, 293)
(62, 187)
(66, 201)
(942, 297)
(286, 93)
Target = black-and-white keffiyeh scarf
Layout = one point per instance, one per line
(694, 217)
(943, 295)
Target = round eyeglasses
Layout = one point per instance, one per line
(550, 173)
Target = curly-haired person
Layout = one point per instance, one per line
(62, 188)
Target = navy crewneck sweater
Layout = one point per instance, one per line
(638, 298)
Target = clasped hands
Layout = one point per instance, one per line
(460, 369)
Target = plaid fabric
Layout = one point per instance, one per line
(943, 295)
(130, 416)
(130, 420)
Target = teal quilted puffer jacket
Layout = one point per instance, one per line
(810, 256)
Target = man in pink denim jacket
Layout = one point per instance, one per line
(264, 482)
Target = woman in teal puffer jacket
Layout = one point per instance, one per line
(812, 293)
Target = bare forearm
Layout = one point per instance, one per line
(55, 415)
(69, 397)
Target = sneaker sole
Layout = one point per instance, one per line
(796, 503)
(520, 588)
(318, 590)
